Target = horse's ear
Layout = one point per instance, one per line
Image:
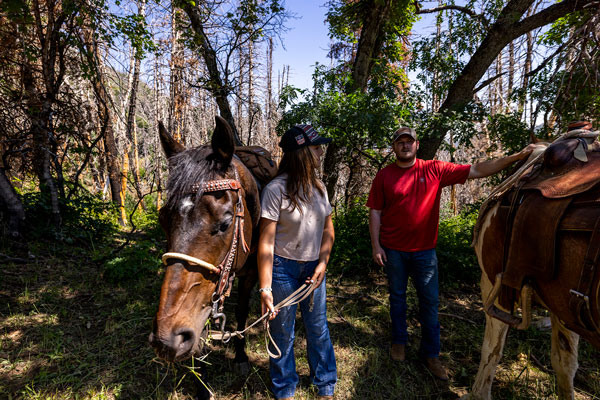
(222, 141)
(169, 145)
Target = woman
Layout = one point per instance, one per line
(296, 237)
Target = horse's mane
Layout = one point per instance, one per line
(190, 167)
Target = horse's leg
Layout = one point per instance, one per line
(245, 285)
(491, 349)
(564, 357)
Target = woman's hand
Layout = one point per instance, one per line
(317, 276)
(266, 300)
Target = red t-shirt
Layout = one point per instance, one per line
(409, 200)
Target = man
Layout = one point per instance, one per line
(404, 207)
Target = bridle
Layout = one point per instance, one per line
(224, 268)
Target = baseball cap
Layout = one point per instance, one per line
(402, 131)
(299, 136)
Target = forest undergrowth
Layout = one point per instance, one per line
(75, 317)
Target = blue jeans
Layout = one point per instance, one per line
(288, 276)
(422, 266)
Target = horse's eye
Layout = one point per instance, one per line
(223, 225)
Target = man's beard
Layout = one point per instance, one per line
(406, 158)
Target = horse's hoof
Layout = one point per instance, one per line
(242, 368)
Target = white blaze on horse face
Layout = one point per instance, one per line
(186, 204)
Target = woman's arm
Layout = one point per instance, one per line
(324, 253)
(266, 242)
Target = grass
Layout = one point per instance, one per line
(68, 333)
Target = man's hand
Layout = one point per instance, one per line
(266, 299)
(379, 255)
(526, 152)
(318, 275)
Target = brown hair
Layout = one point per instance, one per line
(301, 167)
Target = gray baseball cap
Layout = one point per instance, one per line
(402, 131)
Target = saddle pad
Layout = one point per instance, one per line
(531, 252)
(574, 179)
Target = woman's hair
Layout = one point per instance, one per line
(301, 168)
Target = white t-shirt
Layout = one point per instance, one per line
(299, 231)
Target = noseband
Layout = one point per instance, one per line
(224, 268)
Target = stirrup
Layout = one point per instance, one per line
(514, 322)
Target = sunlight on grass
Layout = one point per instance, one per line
(66, 333)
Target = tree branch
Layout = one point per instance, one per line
(466, 10)
(488, 81)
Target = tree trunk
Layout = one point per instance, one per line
(269, 95)
(251, 111)
(104, 114)
(209, 55)
(130, 128)
(177, 100)
(369, 47)
(370, 42)
(526, 70)
(12, 205)
(511, 68)
(499, 85)
(157, 149)
(239, 104)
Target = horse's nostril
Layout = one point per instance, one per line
(183, 340)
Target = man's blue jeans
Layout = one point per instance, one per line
(422, 266)
(288, 276)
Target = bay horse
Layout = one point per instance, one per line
(540, 241)
(210, 219)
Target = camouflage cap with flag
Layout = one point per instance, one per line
(299, 136)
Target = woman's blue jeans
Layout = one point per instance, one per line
(422, 266)
(288, 276)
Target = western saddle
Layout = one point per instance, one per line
(557, 191)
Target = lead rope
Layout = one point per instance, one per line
(299, 295)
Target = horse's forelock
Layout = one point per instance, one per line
(187, 168)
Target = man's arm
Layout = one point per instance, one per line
(374, 226)
(490, 167)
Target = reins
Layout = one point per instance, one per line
(299, 295)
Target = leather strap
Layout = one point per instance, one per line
(579, 302)
(216, 185)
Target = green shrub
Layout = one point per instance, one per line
(457, 261)
(132, 263)
(85, 218)
(352, 250)
(351, 254)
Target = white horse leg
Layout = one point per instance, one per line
(564, 357)
(491, 350)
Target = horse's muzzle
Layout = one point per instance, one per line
(175, 347)
(179, 343)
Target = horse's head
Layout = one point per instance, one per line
(211, 209)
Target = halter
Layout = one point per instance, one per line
(223, 288)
